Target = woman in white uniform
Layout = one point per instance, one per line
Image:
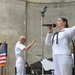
(19, 50)
(60, 42)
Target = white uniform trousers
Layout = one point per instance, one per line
(20, 66)
(62, 64)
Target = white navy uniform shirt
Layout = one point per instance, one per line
(20, 63)
(19, 50)
(64, 38)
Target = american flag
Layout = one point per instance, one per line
(3, 49)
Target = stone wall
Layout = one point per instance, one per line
(21, 17)
(34, 25)
(12, 25)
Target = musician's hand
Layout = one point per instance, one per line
(50, 28)
(33, 41)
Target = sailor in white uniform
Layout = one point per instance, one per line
(19, 50)
(60, 42)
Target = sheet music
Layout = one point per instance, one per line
(47, 65)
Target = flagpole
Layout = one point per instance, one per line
(5, 39)
(6, 56)
(2, 70)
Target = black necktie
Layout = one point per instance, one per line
(56, 37)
